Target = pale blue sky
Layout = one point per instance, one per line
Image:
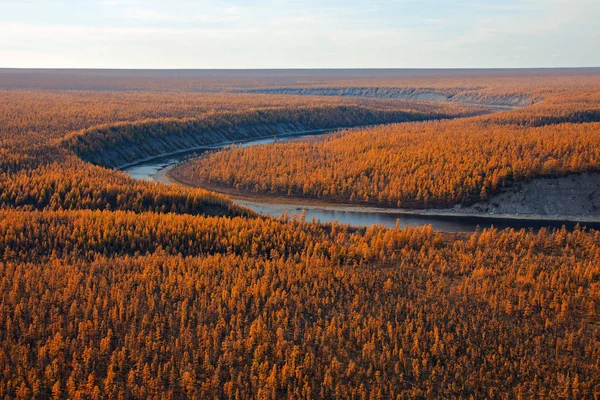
(299, 34)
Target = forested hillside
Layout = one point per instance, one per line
(118, 144)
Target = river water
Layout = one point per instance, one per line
(356, 216)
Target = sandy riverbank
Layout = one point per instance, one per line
(548, 199)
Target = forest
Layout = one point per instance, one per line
(418, 165)
(115, 288)
(147, 138)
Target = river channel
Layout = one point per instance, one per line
(354, 215)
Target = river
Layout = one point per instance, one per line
(355, 215)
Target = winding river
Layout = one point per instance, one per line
(156, 169)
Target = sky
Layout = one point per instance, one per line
(299, 33)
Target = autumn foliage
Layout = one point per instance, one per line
(115, 288)
(430, 164)
(108, 304)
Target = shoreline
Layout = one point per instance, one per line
(282, 203)
(221, 145)
(165, 175)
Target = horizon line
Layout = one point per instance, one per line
(302, 68)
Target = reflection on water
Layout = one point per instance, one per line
(151, 169)
(390, 219)
(148, 171)
(357, 218)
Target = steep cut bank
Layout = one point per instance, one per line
(455, 95)
(121, 144)
(574, 197)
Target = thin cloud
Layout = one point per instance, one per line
(277, 33)
(158, 16)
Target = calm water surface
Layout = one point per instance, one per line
(152, 170)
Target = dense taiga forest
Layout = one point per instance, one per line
(112, 287)
(426, 164)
